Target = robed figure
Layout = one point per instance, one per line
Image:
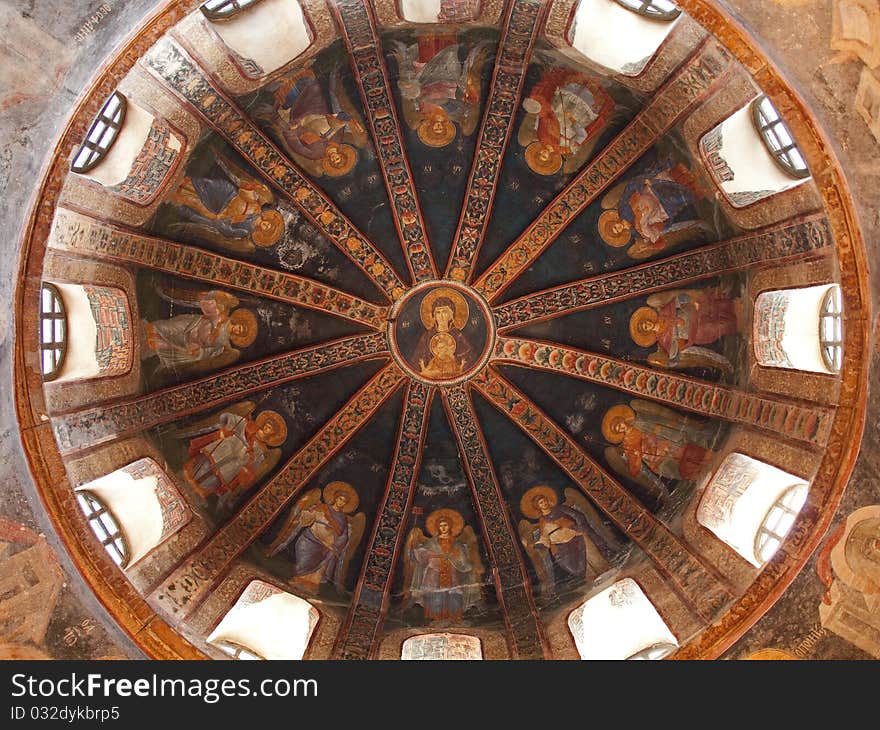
(443, 351)
(561, 535)
(320, 535)
(443, 572)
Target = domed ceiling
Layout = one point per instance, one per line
(442, 326)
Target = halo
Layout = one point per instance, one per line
(279, 427)
(333, 488)
(614, 415)
(265, 238)
(456, 521)
(543, 167)
(248, 320)
(640, 337)
(606, 222)
(430, 137)
(527, 501)
(459, 317)
(349, 157)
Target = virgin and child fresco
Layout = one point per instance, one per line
(440, 334)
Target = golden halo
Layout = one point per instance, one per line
(455, 520)
(607, 221)
(615, 415)
(333, 488)
(459, 317)
(268, 237)
(432, 138)
(527, 501)
(773, 655)
(643, 338)
(550, 166)
(279, 427)
(248, 320)
(349, 157)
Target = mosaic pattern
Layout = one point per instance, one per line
(113, 348)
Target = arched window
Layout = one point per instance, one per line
(777, 138)
(133, 509)
(225, 9)
(441, 647)
(751, 506)
(53, 331)
(778, 522)
(439, 11)
(266, 623)
(598, 26)
(800, 328)
(102, 134)
(654, 9)
(620, 623)
(104, 525)
(831, 329)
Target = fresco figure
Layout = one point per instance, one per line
(443, 573)
(443, 351)
(199, 342)
(438, 90)
(321, 130)
(560, 535)
(681, 321)
(652, 442)
(320, 536)
(566, 112)
(226, 206)
(652, 210)
(231, 452)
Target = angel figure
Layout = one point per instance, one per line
(652, 210)
(681, 321)
(224, 205)
(652, 443)
(233, 451)
(321, 131)
(561, 536)
(566, 112)
(320, 536)
(443, 573)
(438, 90)
(198, 343)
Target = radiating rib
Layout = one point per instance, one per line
(522, 23)
(687, 88)
(177, 70)
(360, 634)
(83, 429)
(85, 235)
(358, 29)
(810, 424)
(189, 583)
(774, 245)
(704, 592)
(512, 582)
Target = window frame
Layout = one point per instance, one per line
(765, 534)
(832, 310)
(58, 313)
(766, 129)
(654, 652)
(98, 151)
(648, 9)
(119, 553)
(225, 9)
(235, 650)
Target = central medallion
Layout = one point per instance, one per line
(441, 332)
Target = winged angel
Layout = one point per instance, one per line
(320, 536)
(443, 573)
(562, 536)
